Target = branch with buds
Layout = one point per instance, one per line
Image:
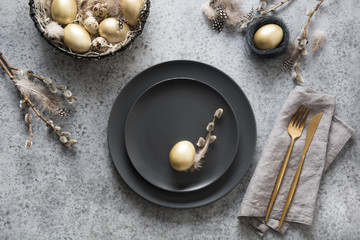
(204, 144)
(43, 94)
(261, 10)
(297, 50)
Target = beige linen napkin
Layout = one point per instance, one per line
(330, 137)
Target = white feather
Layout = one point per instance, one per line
(54, 31)
(318, 40)
(208, 11)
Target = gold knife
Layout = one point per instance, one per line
(314, 122)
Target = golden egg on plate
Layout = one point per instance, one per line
(77, 38)
(182, 156)
(131, 10)
(111, 30)
(63, 11)
(268, 36)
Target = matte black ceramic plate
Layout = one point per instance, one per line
(172, 111)
(208, 75)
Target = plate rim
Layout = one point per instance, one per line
(165, 203)
(199, 82)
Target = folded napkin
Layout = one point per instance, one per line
(331, 135)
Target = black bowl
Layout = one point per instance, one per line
(258, 23)
(143, 18)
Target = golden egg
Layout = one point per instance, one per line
(131, 10)
(77, 38)
(63, 11)
(268, 36)
(111, 30)
(182, 156)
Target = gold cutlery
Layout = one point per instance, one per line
(314, 122)
(295, 128)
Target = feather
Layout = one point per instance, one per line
(200, 154)
(233, 10)
(208, 11)
(293, 50)
(114, 8)
(318, 40)
(293, 53)
(54, 31)
(48, 101)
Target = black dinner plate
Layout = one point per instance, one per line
(175, 110)
(202, 73)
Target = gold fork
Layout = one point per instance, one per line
(295, 128)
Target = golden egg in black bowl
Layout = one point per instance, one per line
(267, 37)
(90, 29)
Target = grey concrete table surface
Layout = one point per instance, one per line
(50, 192)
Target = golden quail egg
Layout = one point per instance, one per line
(182, 156)
(63, 11)
(268, 36)
(77, 38)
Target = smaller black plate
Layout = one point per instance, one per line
(175, 110)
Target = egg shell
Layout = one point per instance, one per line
(182, 156)
(110, 30)
(63, 11)
(268, 36)
(77, 38)
(131, 10)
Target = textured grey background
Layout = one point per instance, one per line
(50, 192)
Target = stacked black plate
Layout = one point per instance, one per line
(174, 101)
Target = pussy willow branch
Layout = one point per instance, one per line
(9, 70)
(42, 79)
(310, 17)
(274, 7)
(209, 132)
(304, 35)
(28, 143)
(203, 144)
(12, 76)
(298, 65)
(5, 65)
(245, 23)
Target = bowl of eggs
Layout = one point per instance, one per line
(267, 36)
(90, 28)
